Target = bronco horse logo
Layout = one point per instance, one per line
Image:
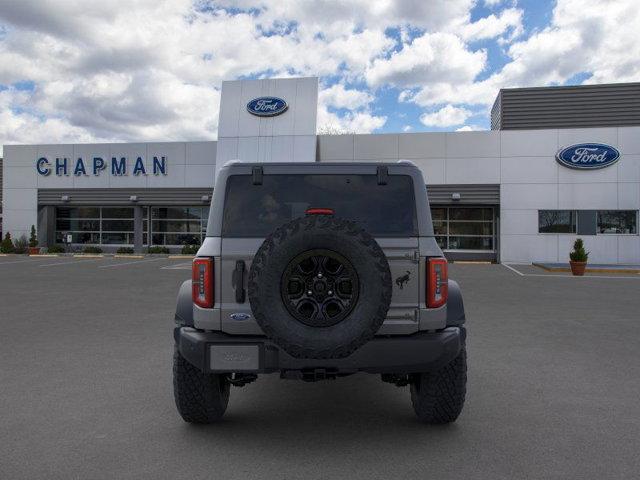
(400, 281)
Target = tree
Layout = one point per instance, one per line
(33, 238)
(7, 244)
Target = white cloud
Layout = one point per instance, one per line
(351, 122)
(151, 69)
(509, 20)
(583, 37)
(469, 128)
(338, 96)
(432, 57)
(447, 116)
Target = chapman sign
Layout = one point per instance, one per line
(267, 106)
(588, 156)
(96, 165)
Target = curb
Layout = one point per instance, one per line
(184, 257)
(472, 262)
(88, 255)
(589, 270)
(123, 255)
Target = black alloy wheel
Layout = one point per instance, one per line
(319, 287)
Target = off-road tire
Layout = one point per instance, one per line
(302, 235)
(200, 397)
(438, 397)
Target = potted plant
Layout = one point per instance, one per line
(21, 245)
(578, 258)
(33, 242)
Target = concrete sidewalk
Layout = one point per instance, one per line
(591, 268)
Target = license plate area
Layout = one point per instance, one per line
(234, 358)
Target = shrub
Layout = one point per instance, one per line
(579, 254)
(158, 249)
(55, 249)
(21, 244)
(190, 249)
(33, 238)
(7, 244)
(92, 249)
(125, 251)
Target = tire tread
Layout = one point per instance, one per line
(199, 397)
(438, 397)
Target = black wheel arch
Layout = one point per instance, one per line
(184, 306)
(455, 306)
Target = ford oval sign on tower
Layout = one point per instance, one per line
(267, 106)
(588, 156)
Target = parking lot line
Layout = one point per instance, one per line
(130, 263)
(70, 263)
(20, 261)
(179, 266)
(513, 269)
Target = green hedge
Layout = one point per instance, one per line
(190, 249)
(158, 249)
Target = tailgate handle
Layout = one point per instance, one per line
(238, 281)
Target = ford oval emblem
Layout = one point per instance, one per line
(239, 317)
(267, 106)
(588, 156)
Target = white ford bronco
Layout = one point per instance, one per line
(316, 271)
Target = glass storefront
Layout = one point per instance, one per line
(169, 226)
(178, 225)
(95, 225)
(464, 228)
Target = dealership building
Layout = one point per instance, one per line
(559, 163)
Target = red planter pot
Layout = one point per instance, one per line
(34, 250)
(578, 268)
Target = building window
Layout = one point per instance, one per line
(95, 225)
(178, 225)
(618, 221)
(463, 228)
(557, 221)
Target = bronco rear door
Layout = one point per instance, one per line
(384, 205)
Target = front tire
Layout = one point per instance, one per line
(438, 397)
(200, 397)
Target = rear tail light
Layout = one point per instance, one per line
(202, 282)
(437, 282)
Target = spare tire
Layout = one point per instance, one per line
(320, 287)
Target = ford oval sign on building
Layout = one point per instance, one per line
(588, 156)
(267, 106)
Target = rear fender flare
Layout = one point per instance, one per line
(184, 306)
(455, 306)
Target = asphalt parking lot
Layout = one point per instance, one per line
(85, 376)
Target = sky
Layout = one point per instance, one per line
(77, 71)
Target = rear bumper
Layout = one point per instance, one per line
(217, 352)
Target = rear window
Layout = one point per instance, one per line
(382, 210)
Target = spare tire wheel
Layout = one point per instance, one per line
(320, 287)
